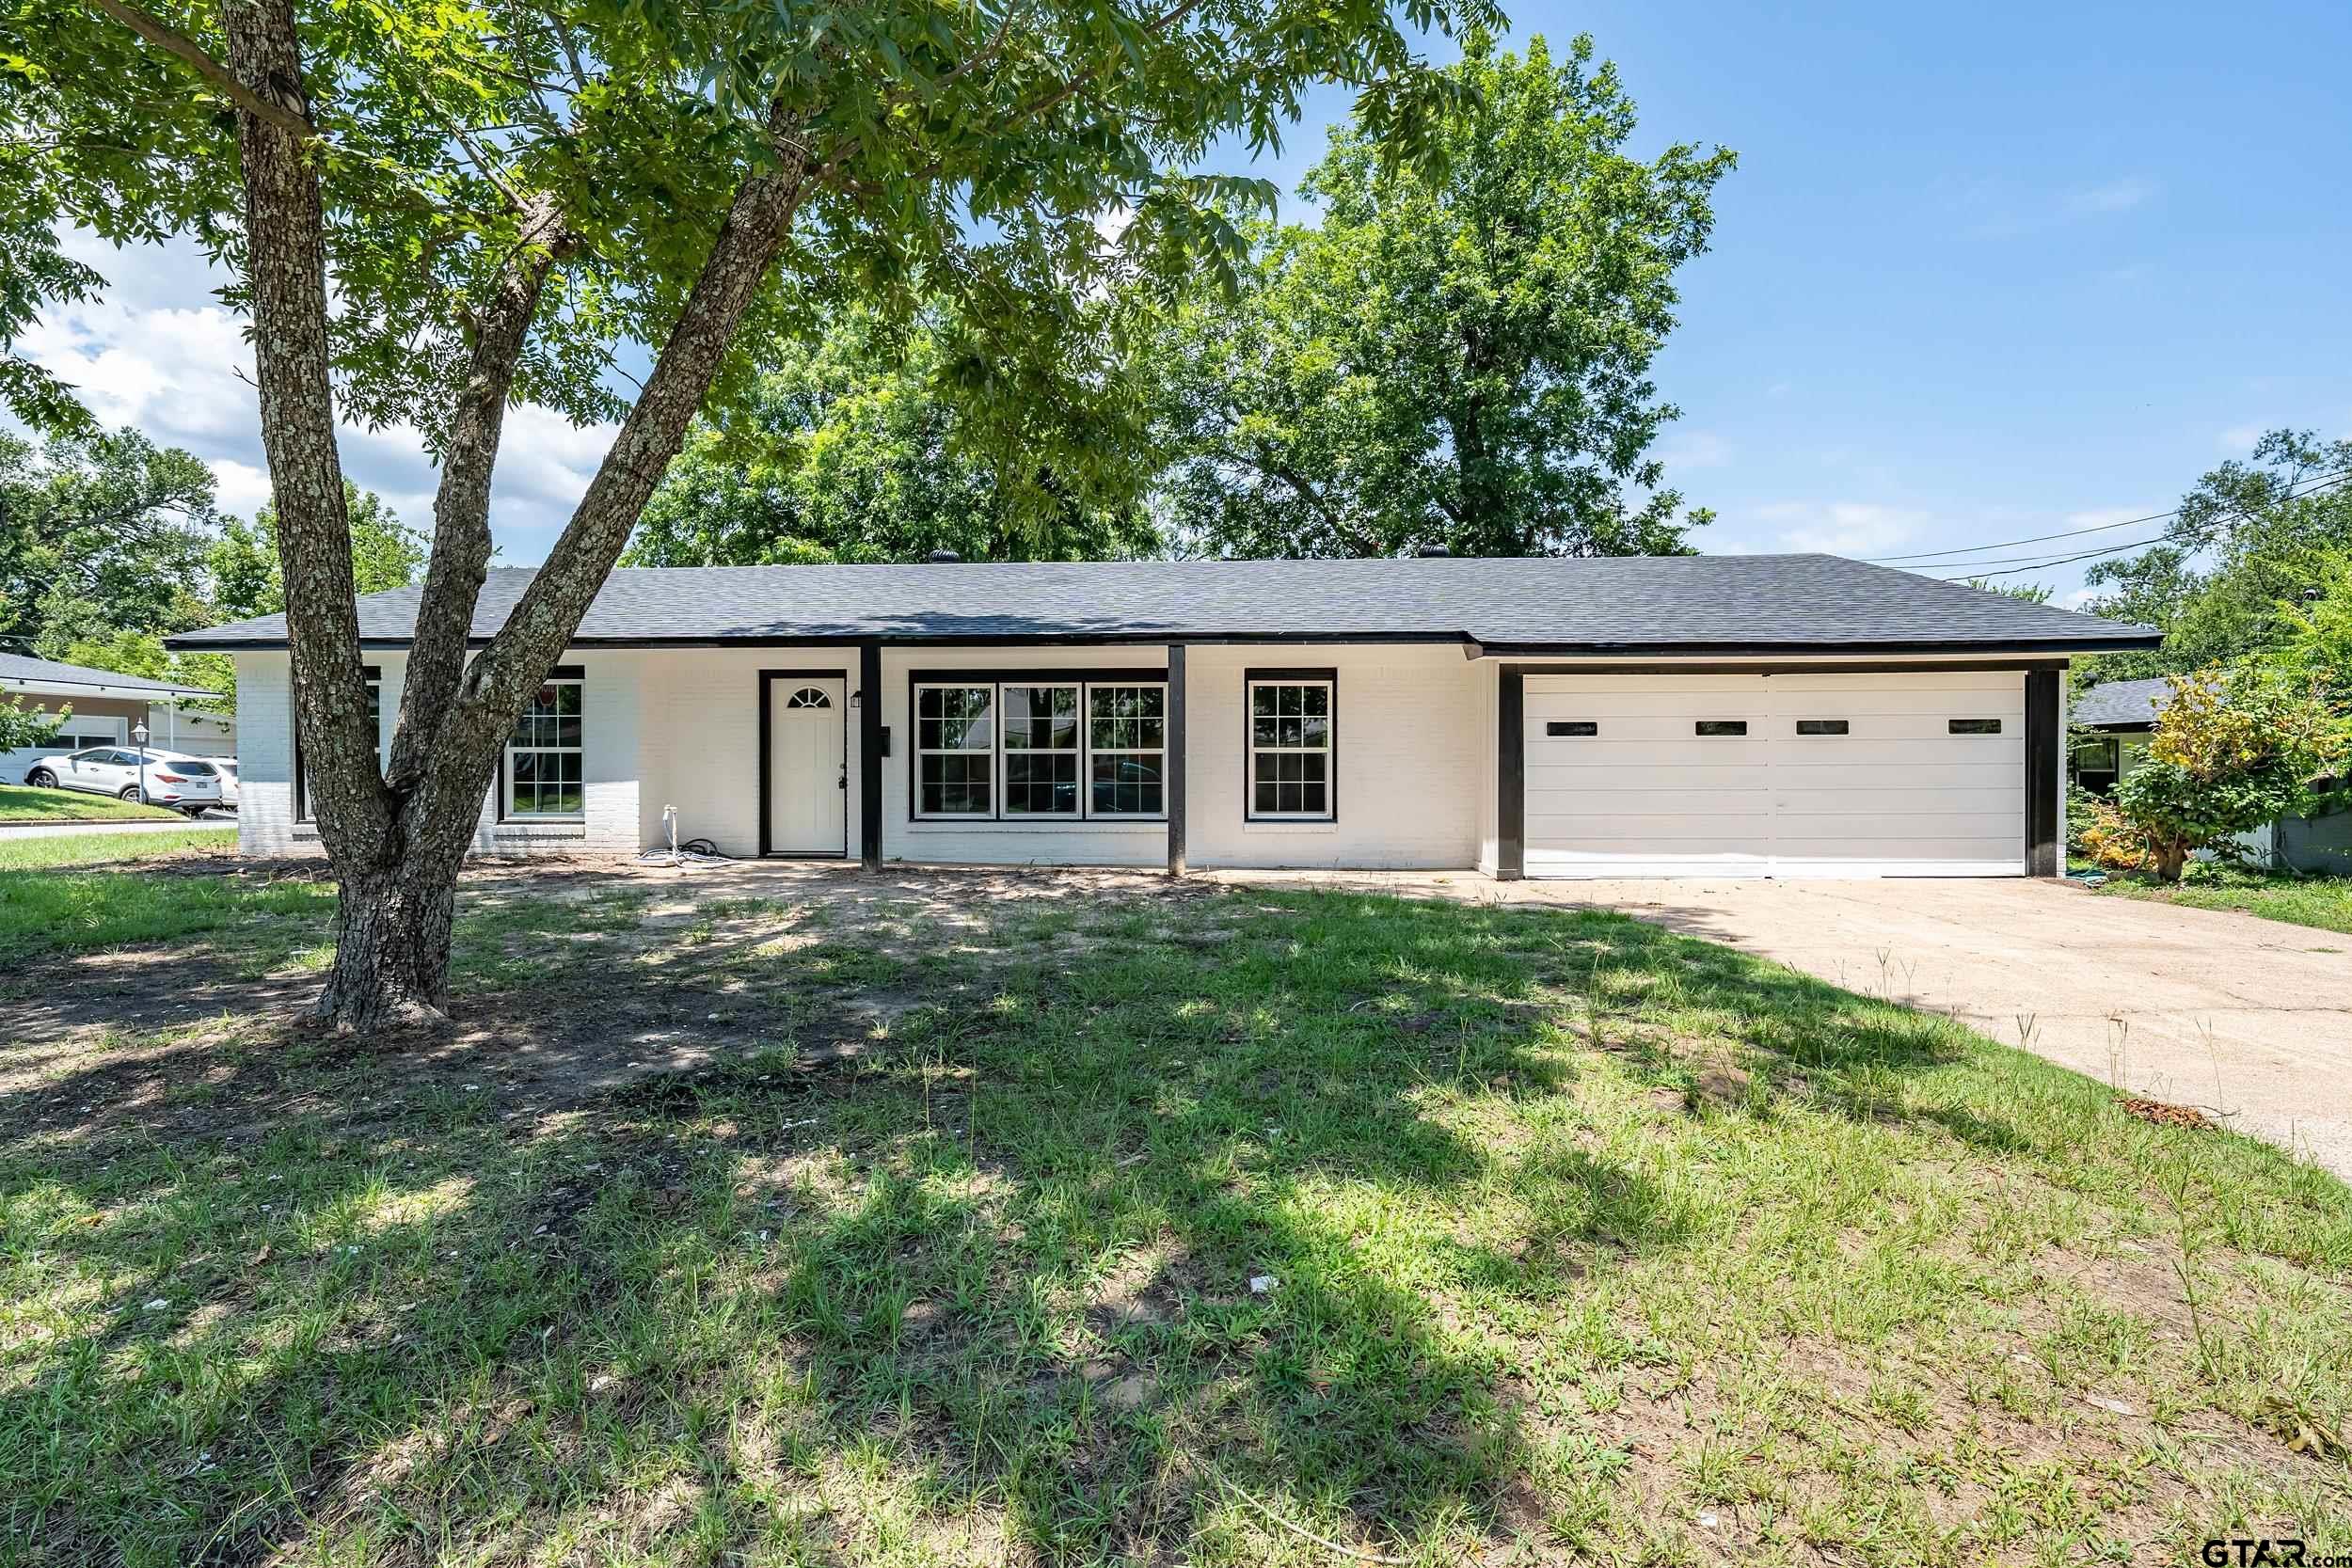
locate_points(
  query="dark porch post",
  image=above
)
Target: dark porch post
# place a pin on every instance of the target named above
(2043, 781)
(1174, 765)
(1510, 775)
(869, 752)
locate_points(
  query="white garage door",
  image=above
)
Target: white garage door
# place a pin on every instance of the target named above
(1786, 775)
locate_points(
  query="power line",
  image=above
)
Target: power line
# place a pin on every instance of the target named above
(2035, 560)
(2042, 567)
(2309, 486)
(2037, 539)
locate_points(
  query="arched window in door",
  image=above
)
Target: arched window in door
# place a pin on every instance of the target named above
(809, 696)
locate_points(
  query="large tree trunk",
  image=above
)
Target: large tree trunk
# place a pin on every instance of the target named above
(391, 946)
(396, 841)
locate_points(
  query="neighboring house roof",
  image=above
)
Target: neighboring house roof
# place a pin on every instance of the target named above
(21, 673)
(1637, 604)
(2122, 705)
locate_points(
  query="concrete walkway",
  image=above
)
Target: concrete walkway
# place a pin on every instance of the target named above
(2247, 1017)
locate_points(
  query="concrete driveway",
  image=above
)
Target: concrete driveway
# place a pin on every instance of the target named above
(2249, 1018)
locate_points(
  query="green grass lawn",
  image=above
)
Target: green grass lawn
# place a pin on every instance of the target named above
(19, 804)
(2324, 902)
(83, 891)
(935, 1225)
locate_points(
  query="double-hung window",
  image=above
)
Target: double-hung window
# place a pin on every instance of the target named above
(1127, 746)
(1291, 745)
(543, 755)
(955, 750)
(373, 676)
(1040, 748)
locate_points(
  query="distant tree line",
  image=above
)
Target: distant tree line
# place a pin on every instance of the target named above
(110, 542)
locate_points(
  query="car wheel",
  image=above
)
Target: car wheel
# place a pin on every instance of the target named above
(130, 794)
(40, 778)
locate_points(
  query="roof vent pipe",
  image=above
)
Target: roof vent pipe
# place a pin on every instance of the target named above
(944, 558)
(1432, 552)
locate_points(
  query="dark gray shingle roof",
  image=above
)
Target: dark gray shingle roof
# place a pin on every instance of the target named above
(2123, 705)
(23, 667)
(1708, 602)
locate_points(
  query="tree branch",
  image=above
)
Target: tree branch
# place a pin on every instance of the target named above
(154, 31)
(461, 503)
(495, 685)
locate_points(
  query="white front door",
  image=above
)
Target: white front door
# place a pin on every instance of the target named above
(808, 782)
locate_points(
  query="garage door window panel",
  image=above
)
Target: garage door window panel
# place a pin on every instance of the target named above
(1292, 744)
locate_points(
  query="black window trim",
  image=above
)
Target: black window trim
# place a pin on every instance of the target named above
(561, 673)
(373, 676)
(1328, 676)
(1084, 679)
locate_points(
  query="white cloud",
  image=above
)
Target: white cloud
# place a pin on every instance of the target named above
(1842, 528)
(2240, 437)
(2116, 196)
(156, 352)
(2078, 598)
(241, 486)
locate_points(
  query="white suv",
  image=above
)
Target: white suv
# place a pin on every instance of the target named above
(172, 778)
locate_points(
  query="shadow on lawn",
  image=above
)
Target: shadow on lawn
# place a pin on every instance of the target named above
(982, 1278)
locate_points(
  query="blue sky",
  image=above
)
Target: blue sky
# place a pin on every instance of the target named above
(1994, 272)
(1981, 274)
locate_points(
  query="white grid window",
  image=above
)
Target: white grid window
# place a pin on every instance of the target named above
(955, 750)
(543, 757)
(1127, 750)
(1042, 749)
(1289, 749)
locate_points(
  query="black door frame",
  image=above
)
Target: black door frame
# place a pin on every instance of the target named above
(767, 764)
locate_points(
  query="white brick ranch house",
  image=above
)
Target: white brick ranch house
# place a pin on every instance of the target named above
(1720, 715)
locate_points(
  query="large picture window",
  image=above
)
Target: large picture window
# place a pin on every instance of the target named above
(543, 755)
(373, 676)
(1041, 746)
(1291, 746)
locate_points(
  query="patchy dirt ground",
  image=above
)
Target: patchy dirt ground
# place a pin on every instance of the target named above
(665, 971)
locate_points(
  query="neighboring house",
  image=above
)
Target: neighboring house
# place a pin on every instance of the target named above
(1718, 715)
(106, 705)
(2112, 723)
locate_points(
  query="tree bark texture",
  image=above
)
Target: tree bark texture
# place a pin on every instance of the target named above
(461, 505)
(397, 836)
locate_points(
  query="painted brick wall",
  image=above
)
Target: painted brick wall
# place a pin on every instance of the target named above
(610, 765)
(681, 727)
(1409, 740)
(701, 738)
(993, 843)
